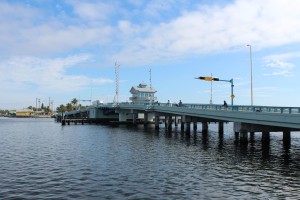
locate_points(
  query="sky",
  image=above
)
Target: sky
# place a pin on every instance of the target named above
(65, 49)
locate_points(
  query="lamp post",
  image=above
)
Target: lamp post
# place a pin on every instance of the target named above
(251, 73)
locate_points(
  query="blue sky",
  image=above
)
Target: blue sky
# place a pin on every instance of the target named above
(67, 49)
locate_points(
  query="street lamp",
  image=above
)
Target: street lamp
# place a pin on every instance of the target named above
(251, 73)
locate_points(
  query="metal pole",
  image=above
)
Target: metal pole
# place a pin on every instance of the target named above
(211, 91)
(231, 81)
(251, 73)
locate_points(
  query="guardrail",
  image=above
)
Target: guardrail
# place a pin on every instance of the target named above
(239, 108)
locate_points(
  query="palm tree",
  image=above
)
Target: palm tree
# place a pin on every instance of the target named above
(74, 102)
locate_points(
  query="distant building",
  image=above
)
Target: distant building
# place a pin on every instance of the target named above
(142, 94)
(24, 112)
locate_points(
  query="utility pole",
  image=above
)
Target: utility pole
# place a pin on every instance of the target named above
(117, 68)
(251, 74)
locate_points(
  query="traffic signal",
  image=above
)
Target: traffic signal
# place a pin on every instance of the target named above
(208, 78)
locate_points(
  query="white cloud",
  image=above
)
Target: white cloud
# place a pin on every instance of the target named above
(28, 31)
(217, 28)
(45, 75)
(282, 63)
(92, 11)
(280, 73)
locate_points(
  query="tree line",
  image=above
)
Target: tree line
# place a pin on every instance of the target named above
(73, 105)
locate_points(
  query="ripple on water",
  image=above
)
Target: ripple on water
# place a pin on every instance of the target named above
(40, 160)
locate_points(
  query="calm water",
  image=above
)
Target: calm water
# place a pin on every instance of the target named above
(40, 159)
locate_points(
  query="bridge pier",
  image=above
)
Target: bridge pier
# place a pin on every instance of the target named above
(156, 121)
(176, 121)
(204, 127)
(265, 136)
(244, 137)
(286, 136)
(221, 128)
(182, 122)
(170, 122)
(188, 124)
(195, 123)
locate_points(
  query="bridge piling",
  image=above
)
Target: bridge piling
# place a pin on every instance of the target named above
(221, 127)
(195, 124)
(182, 121)
(265, 137)
(156, 122)
(286, 135)
(204, 127)
(244, 137)
(176, 121)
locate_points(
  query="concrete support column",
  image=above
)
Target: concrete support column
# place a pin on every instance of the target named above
(169, 122)
(244, 136)
(286, 135)
(204, 127)
(166, 121)
(182, 121)
(156, 122)
(265, 137)
(236, 135)
(252, 137)
(134, 118)
(194, 123)
(145, 119)
(286, 139)
(176, 121)
(221, 127)
(188, 124)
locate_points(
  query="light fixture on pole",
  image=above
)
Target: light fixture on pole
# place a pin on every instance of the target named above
(251, 73)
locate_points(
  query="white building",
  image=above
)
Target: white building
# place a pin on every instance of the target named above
(142, 94)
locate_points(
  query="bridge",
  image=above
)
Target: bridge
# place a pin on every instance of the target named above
(246, 119)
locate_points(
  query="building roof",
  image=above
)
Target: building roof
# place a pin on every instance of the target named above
(24, 110)
(142, 87)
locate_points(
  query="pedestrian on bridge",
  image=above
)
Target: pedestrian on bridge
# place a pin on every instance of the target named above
(225, 104)
(180, 103)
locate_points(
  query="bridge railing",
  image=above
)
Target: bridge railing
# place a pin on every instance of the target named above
(239, 108)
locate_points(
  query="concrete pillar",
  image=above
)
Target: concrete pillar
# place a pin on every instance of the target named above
(188, 124)
(145, 119)
(221, 127)
(244, 137)
(286, 139)
(176, 121)
(134, 118)
(169, 122)
(265, 137)
(166, 121)
(156, 122)
(194, 123)
(204, 127)
(236, 136)
(252, 137)
(182, 121)
(188, 127)
(286, 135)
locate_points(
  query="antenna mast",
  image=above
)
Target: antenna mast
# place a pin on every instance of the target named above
(117, 67)
(150, 79)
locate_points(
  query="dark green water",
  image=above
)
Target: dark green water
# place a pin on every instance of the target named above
(40, 159)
